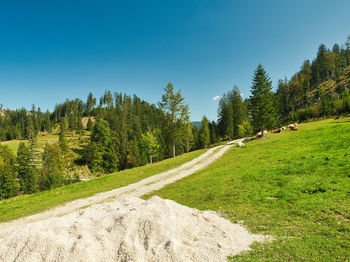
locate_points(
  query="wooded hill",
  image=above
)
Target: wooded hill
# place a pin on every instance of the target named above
(319, 89)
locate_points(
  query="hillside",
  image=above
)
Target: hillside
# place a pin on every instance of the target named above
(333, 87)
(293, 186)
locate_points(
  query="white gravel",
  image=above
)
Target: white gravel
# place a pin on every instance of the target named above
(129, 229)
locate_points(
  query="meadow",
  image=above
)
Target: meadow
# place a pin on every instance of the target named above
(293, 186)
(30, 204)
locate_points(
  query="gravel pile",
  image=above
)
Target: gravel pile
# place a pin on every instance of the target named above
(130, 229)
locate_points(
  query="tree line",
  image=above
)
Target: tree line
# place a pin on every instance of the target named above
(319, 89)
(122, 132)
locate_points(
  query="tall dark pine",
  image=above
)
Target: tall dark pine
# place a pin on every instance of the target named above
(262, 101)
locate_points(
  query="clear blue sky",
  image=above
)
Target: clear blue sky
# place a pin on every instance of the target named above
(52, 50)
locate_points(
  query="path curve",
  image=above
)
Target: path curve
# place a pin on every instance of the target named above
(137, 189)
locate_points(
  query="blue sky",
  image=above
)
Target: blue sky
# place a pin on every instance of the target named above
(53, 50)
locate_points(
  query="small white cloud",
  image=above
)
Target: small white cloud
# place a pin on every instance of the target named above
(216, 98)
(241, 95)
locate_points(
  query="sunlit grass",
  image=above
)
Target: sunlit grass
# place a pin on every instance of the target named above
(294, 186)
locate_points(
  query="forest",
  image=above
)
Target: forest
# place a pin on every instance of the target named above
(123, 131)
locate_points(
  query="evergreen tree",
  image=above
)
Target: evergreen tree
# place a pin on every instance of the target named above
(90, 124)
(62, 141)
(26, 172)
(262, 101)
(8, 185)
(101, 153)
(52, 174)
(204, 133)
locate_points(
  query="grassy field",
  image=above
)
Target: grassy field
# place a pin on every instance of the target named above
(42, 140)
(294, 186)
(29, 204)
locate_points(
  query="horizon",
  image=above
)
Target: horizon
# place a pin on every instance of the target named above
(53, 51)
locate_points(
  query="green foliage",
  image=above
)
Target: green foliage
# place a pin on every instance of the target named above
(232, 112)
(176, 110)
(245, 129)
(52, 174)
(27, 173)
(262, 101)
(204, 133)
(62, 141)
(90, 124)
(100, 154)
(150, 145)
(8, 184)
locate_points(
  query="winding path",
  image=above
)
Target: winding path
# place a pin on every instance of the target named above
(137, 189)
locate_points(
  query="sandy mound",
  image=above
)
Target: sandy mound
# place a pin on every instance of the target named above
(129, 230)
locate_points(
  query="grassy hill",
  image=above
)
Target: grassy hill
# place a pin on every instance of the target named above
(294, 186)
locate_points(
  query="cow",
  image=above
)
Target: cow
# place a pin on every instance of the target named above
(294, 128)
(276, 131)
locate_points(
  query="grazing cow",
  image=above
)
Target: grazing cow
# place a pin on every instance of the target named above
(276, 131)
(259, 134)
(283, 128)
(294, 128)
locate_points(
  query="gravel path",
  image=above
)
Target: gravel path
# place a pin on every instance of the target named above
(138, 189)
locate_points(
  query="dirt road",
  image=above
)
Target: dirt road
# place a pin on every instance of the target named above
(138, 189)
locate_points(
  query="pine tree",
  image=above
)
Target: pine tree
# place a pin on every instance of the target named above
(204, 133)
(8, 185)
(62, 141)
(26, 172)
(100, 154)
(262, 101)
(52, 174)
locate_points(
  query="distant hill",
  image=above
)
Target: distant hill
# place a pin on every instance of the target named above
(197, 123)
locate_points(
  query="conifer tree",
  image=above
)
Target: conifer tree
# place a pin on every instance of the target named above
(26, 172)
(204, 133)
(262, 101)
(8, 185)
(62, 141)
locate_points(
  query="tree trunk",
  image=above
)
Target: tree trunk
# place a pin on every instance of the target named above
(174, 150)
(262, 132)
(150, 159)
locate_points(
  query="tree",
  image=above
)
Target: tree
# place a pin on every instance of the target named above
(52, 174)
(176, 110)
(8, 185)
(62, 141)
(262, 101)
(150, 145)
(100, 154)
(213, 132)
(90, 124)
(26, 172)
(90, 104)
(204, 133)
(237, 110)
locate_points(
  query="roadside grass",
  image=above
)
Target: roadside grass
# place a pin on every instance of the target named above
(294, 186)
(30, 204)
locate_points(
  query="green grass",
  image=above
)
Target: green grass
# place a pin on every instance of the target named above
(30, 204)
(42, 140)
(294, 186)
